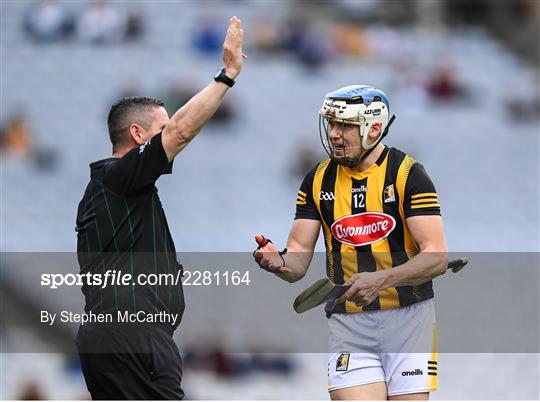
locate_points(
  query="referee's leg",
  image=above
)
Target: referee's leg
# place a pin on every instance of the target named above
(130, 363)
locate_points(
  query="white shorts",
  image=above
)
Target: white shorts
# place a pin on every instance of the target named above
(397, 346)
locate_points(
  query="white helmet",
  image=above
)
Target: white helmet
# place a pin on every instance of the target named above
(361, 105)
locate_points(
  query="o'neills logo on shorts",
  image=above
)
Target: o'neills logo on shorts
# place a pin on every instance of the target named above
(361, 229)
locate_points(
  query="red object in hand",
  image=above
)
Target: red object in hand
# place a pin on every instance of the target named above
(261, 240)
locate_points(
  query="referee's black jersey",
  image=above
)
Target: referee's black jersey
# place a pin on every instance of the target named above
(121, 226)
(364, 220)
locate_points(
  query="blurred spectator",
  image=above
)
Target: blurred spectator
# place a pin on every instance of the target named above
(15, 137)
(273, 363)
(350, 39)
(304, 158)
(293, 33)
(267, 36)
(45, 159)
(408, 86)
(443, 84)
(16, 141)
(130, 87)
(101, 23)
(134, 26)
(208, 36)
(315, 50)
(238, 365)
(468, 11)
(523, 108)
(385, 44)
(177, 95)
(47, 21)
(225, 113)
(215, 361)
(32, 392)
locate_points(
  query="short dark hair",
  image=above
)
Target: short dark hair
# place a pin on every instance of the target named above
(129, 110)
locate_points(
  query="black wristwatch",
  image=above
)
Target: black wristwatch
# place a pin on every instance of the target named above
(220, 76)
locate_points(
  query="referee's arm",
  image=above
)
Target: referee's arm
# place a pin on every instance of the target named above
(186, 123)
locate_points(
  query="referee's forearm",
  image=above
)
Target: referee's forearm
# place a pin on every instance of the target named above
(190, 118)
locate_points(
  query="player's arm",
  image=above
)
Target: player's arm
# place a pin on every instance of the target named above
(186, 123)
(303, 235)
(422, 212)
(431, 261)
(293, 265)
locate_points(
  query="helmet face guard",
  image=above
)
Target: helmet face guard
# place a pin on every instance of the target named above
(357, 105)
(324, 134)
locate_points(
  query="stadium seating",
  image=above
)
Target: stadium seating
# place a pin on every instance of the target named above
(235, 180)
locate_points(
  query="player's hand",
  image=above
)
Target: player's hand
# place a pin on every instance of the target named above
(268, 257)
(365, 287)
(232, 48)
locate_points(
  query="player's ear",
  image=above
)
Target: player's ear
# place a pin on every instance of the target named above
(375, 131)
(136, 133)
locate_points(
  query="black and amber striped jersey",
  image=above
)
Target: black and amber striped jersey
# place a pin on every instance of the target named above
(363, 218)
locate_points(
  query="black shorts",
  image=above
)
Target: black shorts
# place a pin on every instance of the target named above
(122, 361)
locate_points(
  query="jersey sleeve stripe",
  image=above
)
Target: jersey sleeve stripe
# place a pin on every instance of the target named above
(316, 189)
(424, 200)
(401, 180)
(421, 195)
(301, 193)
(425, 206)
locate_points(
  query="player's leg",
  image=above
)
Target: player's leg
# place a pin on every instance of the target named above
(359, 374)
(410, 359)
(408, 377)
(375, 392)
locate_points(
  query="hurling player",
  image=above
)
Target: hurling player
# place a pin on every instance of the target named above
(380, 217)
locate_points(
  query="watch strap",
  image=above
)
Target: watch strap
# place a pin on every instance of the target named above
(222, 77)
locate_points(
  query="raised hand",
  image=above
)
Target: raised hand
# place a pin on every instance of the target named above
(232, 48)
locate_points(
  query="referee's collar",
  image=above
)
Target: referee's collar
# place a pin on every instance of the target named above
(98, 164)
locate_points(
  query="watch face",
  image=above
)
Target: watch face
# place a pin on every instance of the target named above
(218, 73)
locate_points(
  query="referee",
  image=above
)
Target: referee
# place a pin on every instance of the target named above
(121, 227)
